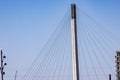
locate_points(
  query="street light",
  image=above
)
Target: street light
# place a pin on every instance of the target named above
(2, 64)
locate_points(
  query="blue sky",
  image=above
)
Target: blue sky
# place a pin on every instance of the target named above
(26, 25)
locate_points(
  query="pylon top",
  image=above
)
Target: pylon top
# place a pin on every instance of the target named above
(73, 11)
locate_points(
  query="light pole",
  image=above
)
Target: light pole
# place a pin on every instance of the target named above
(2, 64)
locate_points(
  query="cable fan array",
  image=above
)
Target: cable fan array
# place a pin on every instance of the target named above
(96, 51)
(54, 61)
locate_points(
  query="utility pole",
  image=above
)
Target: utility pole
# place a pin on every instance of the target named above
(75, 62)
(2, 64)
(109, 76)
(15, 76)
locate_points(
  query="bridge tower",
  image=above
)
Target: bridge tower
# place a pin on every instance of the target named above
(117, 65)
(75, 63)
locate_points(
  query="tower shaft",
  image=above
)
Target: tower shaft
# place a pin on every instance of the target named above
(75, 63)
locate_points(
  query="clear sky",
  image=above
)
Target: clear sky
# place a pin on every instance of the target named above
(26, 25)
